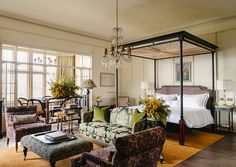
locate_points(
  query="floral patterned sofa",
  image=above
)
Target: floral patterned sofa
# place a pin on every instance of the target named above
(118, 125)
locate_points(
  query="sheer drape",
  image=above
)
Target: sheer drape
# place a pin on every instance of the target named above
(65, 65)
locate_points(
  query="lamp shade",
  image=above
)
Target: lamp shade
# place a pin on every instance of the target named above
(88, 84)
(144, 85)
(224, 84)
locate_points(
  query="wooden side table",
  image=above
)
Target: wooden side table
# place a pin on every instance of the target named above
(229, 109)
(60, 116)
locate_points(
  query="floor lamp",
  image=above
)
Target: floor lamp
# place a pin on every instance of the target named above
(88, 84)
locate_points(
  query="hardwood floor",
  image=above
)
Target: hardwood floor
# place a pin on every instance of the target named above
(219, 154)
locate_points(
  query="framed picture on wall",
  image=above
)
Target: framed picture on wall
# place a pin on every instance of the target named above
(107, 79)
(186, 72)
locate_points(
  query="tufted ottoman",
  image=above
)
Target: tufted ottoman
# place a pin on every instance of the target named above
(55, 152)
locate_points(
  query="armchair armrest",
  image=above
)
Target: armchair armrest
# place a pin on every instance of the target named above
(139, 126)
(87, 116)
(94, 159)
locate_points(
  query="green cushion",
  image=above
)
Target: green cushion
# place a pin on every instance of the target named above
(137, 116)
(100, 114)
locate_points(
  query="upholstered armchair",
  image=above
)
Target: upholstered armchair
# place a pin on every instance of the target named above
(21, 121)
(136, 150)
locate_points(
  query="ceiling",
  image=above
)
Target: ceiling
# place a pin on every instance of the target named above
(138, 18)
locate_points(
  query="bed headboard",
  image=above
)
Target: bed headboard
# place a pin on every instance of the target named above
(191, 90)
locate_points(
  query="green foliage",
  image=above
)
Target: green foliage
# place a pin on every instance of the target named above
(63, 87)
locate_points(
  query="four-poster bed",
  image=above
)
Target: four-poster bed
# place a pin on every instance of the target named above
(179, 44)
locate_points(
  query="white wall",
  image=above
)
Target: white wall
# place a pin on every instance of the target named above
(131, 76)
(25, 34)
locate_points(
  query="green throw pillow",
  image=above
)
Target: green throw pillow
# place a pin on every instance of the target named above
(100, 114)
(137, 116)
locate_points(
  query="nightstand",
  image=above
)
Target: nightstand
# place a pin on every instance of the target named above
(229, 109)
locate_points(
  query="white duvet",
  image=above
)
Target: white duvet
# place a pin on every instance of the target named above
(194, 117)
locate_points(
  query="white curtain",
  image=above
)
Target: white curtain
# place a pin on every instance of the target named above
(65, 65)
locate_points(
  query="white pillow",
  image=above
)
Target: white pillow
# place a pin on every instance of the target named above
(166, 97)
(195, 101)
(172, 103)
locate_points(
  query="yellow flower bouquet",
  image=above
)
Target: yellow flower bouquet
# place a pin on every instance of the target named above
(156, 109)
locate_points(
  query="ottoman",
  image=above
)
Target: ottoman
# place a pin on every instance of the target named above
(55, 152)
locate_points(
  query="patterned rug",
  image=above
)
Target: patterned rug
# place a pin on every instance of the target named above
(173, 152)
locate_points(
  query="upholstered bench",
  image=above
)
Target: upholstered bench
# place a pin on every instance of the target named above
(55, 152)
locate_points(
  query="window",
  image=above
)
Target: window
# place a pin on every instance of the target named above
(83, 68)
(27, 72)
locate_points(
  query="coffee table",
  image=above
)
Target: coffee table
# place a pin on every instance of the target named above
(55, 152)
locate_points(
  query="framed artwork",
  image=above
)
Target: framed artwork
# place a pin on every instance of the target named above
(186, 71)
(107, 79)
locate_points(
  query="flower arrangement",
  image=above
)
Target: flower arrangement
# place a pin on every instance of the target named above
(156, 109)
(63, 87)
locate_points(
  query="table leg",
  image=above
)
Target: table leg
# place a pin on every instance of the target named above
(232, 120)
(229, 122)
(25, 152)
(219, 119)
(68, 117)
(57, 122)
(216, 126)
(61, 122)
(52, 163)
(72, 124)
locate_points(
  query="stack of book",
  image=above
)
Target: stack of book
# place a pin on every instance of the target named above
(56, 136)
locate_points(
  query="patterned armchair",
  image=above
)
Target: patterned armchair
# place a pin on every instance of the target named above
(21, 121)
(136, 150)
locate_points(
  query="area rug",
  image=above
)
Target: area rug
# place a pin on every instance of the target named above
(173, 153)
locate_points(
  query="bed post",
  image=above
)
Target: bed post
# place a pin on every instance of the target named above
(117, 89)
(155, 74)
(181, 121)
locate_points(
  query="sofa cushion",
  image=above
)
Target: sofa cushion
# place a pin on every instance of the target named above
(114, 131)
(121, 116)
(24, 119)
(101, 114)
(94, 128)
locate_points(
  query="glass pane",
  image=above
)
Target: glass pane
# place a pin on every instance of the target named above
(78, 76)
(22, 56)
(7, 55)
(38, 58)
(22, 67)
(87, 61)
(22, 86)
(51, 75)
(37, 86)
(78, 61)
(51, 59)
(85, 74)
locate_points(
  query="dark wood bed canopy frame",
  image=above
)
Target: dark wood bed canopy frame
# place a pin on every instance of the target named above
(182, 37)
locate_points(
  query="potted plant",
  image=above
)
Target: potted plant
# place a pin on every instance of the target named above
(63, 87)
(156, 110)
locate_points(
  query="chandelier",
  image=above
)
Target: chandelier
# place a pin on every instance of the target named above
(117, 54)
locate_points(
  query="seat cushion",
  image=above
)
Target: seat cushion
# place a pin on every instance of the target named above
(94, 128)
(26, 129)
(121, 116)
(115, 131)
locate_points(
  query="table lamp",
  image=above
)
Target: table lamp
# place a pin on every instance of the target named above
(145, 87)
(224, 85)
(88, 84)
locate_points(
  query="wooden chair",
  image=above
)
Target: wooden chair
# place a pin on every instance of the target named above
(123, 101)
